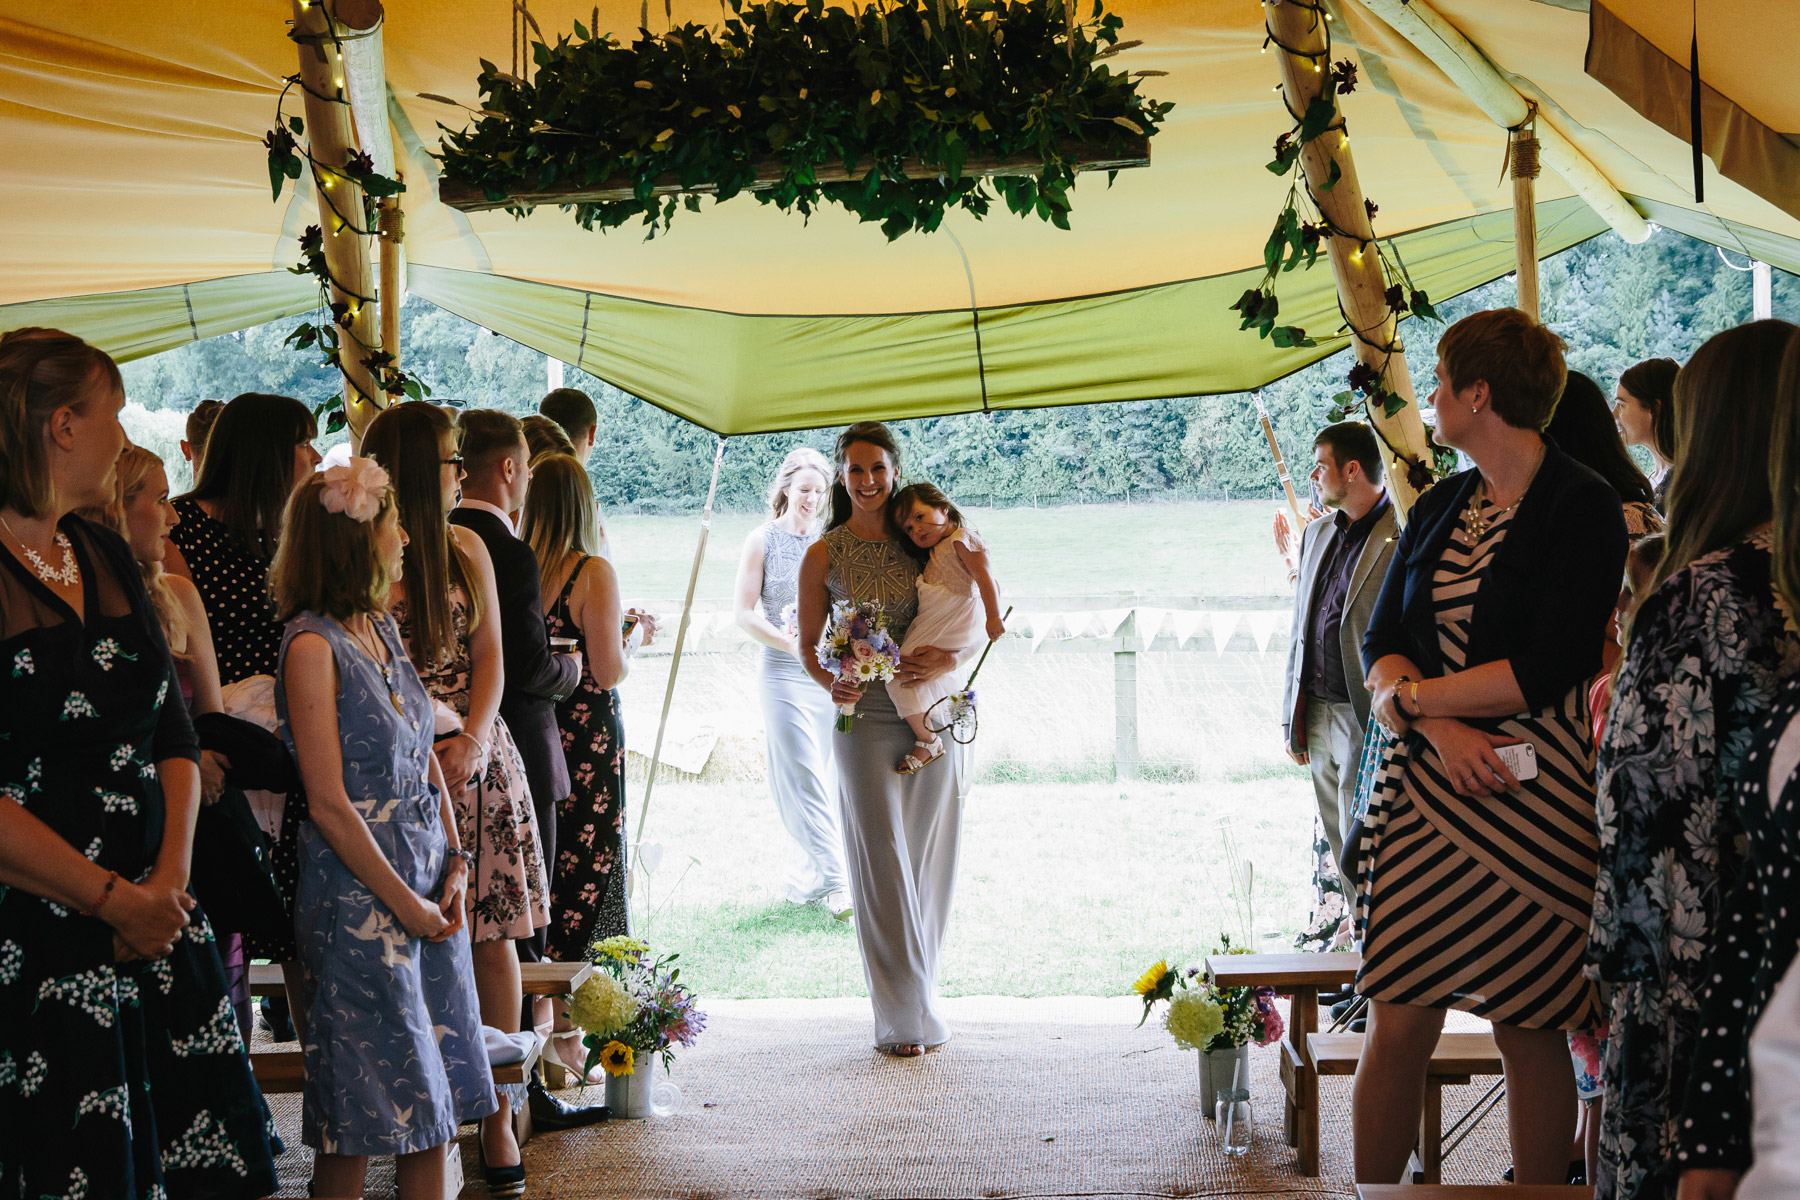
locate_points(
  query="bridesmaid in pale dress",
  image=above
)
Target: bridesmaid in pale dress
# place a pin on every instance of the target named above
(796, 715)
(900, 831)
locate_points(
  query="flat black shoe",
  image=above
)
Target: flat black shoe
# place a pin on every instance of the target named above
(1341, 1007)
(1360, 1025)
(1330, 999)
(550, 1114)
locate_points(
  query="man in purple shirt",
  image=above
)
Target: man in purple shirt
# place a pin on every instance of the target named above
(1343, 559)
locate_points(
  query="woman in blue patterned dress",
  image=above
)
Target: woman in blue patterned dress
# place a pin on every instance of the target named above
(392, 1038)
(1708, 652)
(122, 1074)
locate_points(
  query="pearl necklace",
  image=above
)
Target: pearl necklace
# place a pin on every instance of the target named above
(1476, 523)
(69, 576)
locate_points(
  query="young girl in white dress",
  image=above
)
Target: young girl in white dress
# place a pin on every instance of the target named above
(958, 602)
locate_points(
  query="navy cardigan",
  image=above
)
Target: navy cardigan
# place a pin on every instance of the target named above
(1550, 586)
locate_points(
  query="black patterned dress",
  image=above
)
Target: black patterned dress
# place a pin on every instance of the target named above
(1483, 904)
(234, 589)
(589, 900)
(1708, 653)
(117, 1080)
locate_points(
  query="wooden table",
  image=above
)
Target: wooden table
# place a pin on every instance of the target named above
(1301, 978)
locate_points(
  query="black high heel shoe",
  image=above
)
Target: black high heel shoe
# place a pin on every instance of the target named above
(503, 1183)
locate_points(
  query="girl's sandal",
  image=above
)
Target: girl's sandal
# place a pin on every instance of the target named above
(903, 1050)
(912, 764)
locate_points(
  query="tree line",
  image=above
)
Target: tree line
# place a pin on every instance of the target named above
(1614, 303)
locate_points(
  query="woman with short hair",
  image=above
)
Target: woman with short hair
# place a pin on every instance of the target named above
(1706, 655)
(1478, 875)
(797, 716)
(125, 1074)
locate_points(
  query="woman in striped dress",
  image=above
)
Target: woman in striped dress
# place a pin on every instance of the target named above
(1478, 880)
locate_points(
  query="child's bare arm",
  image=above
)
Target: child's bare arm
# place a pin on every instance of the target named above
(976, 562)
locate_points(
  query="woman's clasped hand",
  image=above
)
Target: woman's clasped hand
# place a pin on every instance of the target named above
(146, 918)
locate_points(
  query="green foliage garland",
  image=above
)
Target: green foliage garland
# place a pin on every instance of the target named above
(806, 86)
(287, 157)
(1295, 240)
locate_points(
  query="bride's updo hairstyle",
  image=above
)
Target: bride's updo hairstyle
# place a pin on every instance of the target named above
(872, 433)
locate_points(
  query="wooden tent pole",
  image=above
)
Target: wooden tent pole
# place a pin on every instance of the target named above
(1523, 161)
(393, 295)
(331, 136)
(1361, 283)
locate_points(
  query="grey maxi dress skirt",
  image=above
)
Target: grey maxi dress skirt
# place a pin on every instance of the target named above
(797, 717)
(901, 832)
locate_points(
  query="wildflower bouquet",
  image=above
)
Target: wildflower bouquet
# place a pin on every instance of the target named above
(1204, 1017)
(858, 648)
(633, 1005)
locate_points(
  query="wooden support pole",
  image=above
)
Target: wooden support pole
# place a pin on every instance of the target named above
(1523, 160)
(1361, 283)
(393, 295)
(331, 136)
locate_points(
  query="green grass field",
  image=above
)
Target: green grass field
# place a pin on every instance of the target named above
(1200, 548)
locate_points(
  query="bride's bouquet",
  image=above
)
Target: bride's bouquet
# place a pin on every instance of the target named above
(859, 648)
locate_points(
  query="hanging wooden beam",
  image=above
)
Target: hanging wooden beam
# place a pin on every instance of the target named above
(331, 136)
(465, 197)
(1478, 79)
(1523, 163)
(1361, 283)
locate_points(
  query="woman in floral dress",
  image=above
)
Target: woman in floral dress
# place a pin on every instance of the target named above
(445, 606)
(1707, 653)
(122, 1073)
(581, 600)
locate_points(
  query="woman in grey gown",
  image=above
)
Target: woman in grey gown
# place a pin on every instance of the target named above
(797, 716)
(900, 831)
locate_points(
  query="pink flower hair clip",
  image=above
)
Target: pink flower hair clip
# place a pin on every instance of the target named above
(354, 489)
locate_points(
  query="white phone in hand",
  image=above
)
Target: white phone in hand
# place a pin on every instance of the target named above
(1521, 760)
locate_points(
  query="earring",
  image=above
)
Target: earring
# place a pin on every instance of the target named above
(1473, 409)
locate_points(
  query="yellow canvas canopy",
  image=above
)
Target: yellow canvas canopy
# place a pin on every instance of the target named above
(136, 207)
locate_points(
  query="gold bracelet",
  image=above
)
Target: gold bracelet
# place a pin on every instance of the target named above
(1418, 709)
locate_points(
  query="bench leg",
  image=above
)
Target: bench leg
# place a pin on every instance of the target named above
(1431, 1135)
(453, 1170)
(522, 1125)
(1303, 1018)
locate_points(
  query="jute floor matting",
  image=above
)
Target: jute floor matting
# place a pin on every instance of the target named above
(1032, 1098)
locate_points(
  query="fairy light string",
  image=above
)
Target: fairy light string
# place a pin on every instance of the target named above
(1300, 231)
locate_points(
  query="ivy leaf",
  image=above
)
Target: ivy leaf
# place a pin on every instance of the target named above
(336, 421)
(1331, 179)
(1319, 115)
(298, 126)
(1290, 337)
(1391, 403)
(1421, 306)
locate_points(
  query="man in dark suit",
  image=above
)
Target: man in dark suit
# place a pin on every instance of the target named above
(1343, 559)
(495, 457)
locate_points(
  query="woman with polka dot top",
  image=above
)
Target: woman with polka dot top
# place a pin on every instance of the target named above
(259, 450)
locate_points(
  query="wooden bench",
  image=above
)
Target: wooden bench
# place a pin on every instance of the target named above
(1458, 1058)
(1474, 1191)
(535, 978)
(279, 1071)
(1300, 977)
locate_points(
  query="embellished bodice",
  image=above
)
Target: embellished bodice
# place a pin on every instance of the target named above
(883, 571)
(782, 552)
